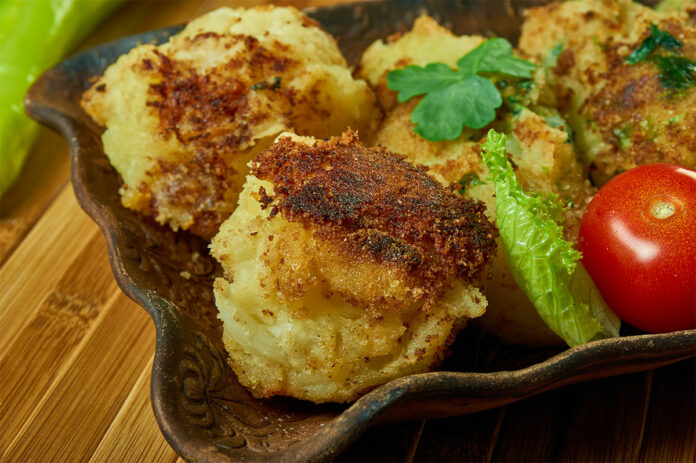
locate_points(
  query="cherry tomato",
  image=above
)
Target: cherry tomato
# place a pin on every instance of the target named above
(638, 240)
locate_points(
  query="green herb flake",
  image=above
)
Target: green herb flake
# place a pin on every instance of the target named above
(459, 98)
(677, 72)
(656, 38)
(266, 85)
(469, 180)
(675, 119)
(623, 137)
(553, 55)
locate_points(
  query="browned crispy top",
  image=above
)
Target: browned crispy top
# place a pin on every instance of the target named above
(213, 115)
(639, 119)
(372, 203)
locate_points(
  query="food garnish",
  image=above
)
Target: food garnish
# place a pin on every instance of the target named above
(677, 72)
(546, 266)
(458, 98)
(656, 38)
(638, 240)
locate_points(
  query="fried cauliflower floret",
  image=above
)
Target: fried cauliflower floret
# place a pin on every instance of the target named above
(543, 155)
(622, 114)
(346, 267)
(183, 119)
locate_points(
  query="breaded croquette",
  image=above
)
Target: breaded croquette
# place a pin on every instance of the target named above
(346, 267)
(543, 155)
(183, 119)
(623, 114)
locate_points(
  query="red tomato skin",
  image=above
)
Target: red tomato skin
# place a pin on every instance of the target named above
(645, 266)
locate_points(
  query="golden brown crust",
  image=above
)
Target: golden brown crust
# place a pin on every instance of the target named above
(634, 102)
(371, 203)
(623, 114)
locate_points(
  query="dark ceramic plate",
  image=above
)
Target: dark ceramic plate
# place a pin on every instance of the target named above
(202, 410)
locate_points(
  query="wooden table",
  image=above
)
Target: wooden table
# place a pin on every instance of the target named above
(75, 353)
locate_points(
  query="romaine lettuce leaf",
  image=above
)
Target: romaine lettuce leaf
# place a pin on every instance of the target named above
(544, 265)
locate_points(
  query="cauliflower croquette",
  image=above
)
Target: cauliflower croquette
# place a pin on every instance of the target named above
(183, 119)
(542, 153)
(622, 114)
(345, 267)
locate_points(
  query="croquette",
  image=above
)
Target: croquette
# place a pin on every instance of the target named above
(540, 148)
(183, 119)
(345, 267)
(623, 114)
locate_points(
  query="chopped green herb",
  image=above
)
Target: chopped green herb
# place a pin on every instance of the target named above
(623, 137)
(469, 180)
(552, 57)
(525, 85)
(264, 85)
(457, 98)
(677, 72)
(655, 39)
(599, 46)
(675, 119)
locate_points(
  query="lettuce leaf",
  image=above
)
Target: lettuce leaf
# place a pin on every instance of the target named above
(544, 265)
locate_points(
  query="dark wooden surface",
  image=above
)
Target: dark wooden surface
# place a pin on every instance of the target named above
(75, 353)
(647, 416)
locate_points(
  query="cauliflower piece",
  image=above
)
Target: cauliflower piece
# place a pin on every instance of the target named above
(346, 267)
(183, 119)
(621, 114)
(542, 153)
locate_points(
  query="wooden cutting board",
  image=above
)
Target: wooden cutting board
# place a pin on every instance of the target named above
(76, 354)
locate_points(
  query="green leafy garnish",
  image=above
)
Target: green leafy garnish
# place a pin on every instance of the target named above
(545, 266)
(457, 98)
(623, 137)
(469, 180)
(552, 58)
(656, 38)
(677, 72)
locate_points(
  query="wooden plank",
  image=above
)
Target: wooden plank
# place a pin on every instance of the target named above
(670, 431)
(134, 434)
(529, 430)
(463, 438)
(54, 332)
(393, 442)
(603, 420)
(40, 262)
(42, 178)
(70, 420)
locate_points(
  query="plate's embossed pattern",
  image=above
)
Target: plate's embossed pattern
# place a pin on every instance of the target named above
(203, 411)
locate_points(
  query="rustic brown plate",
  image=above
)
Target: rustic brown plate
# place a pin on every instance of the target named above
(202, 410)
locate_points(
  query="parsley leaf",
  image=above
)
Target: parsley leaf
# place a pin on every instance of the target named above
(461, 97)
(495, 56)
(677, 72)
(655, 39)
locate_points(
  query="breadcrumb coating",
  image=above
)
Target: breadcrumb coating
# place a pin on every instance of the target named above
(183, 119)
(346, 267)
(621, 113)
(543, 156)
(371, 201)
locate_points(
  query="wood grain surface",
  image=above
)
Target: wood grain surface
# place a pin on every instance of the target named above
(75, 353)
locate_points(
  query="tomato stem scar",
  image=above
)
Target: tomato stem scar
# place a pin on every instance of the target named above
(662, 209)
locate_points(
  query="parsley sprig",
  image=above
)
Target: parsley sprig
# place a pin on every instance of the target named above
(455, 98)
(656, 38)
(676, 72)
